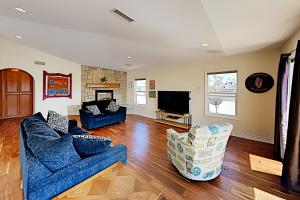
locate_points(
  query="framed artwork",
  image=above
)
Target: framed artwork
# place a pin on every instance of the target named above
(259, 82)
(57, 85)
(152, 94)
(152, 84)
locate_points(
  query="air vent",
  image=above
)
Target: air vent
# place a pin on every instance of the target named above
(39, 63)
(120, 14)
(214, 51)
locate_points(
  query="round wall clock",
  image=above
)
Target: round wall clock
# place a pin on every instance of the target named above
(259, 82)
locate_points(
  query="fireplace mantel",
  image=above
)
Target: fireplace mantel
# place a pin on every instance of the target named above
(103, 85)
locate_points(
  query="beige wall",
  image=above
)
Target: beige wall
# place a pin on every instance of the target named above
(291, 43)
(15, 55)
(255, 111)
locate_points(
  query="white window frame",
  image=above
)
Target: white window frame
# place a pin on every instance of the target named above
(209, 114)
(135, 91)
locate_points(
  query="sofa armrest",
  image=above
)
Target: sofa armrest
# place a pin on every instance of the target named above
(72, 123)
(86, 118)
(85, 112)
(122, 110)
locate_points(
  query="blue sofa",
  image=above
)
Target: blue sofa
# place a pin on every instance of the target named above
(90, 121)
(39, 183)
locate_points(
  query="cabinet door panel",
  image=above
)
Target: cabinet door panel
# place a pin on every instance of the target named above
(11, 105)
(16, 96)
(25, 104)
(11, 79)
(25, 82)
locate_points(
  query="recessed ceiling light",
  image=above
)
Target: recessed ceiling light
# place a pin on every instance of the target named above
(204, 44)
(129, 57)
(19, 37)
(20, 10)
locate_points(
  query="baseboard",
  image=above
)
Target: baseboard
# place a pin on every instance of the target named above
(236, 134)
(253, 137)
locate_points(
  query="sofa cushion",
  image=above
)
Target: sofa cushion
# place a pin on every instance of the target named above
(39, 116)
(54, 153)
(33, 125)
(94, 109)
(88, 145)
(102, 105)
(77, 131)
(37, 170)
(113, 106)
(58, 122)
(102, 117)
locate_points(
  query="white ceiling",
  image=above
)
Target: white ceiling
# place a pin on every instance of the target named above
(164, 31)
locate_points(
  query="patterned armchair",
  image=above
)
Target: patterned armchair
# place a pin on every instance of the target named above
(198, 154)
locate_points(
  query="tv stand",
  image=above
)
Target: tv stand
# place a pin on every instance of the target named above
(166, 118)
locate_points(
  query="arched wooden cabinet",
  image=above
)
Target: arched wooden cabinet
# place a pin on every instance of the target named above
(16, 93)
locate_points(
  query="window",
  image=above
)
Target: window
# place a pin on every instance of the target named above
(140, 88)
(221, 94)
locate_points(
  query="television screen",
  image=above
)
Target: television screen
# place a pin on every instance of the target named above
(174, 101)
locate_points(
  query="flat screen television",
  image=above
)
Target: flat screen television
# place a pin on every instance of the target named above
(174, 101)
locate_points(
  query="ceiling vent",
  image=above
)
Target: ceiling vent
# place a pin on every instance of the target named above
(123, 16)
(214, 51)
(39, 63)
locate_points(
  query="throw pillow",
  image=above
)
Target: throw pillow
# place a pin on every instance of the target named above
(88, 145)
(113, 106)
(54, 153)
(94, 109)
(58, 122)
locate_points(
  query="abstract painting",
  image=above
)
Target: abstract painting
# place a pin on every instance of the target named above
(57, 85)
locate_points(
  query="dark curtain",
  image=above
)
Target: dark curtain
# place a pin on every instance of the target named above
(291, 165)
(281, 107)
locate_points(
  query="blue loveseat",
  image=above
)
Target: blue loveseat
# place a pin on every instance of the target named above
(39, 183)
(90, 121)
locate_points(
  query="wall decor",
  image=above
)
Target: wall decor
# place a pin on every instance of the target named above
(259, 82)
(152, 94)
(152, 84)
(57, 85)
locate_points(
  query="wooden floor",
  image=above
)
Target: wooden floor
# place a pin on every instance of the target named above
(116, 182)
(146, 142)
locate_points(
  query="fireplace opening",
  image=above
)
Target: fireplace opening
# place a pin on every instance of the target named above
(104, 95)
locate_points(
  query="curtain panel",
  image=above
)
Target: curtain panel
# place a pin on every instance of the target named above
(291, 164)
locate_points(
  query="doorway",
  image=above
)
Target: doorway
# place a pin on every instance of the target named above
(16, 93)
